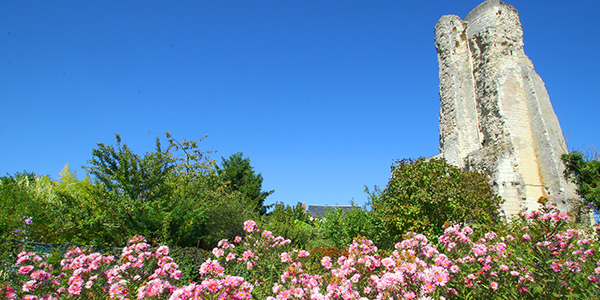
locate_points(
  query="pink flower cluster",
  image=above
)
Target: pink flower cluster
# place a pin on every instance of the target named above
(138, 272)
(545, 255)
(225, 287)
(481, 268)
(295, 281)
(38, 278)
(84, 271)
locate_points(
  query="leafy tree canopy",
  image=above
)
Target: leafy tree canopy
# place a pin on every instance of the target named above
(423, 195)
(132, 175)
(151, 194)
(238, 174)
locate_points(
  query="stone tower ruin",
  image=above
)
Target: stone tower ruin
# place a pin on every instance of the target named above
(495, 113)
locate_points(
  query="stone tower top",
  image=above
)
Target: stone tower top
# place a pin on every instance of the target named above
(494, 14)
(495, 113)
(490, 6)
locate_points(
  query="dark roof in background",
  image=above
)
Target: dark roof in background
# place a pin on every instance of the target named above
(321, 210)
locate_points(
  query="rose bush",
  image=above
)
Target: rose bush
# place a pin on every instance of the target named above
(546, 259)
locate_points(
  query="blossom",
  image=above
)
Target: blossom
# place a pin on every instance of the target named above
(250, 226)
(29, 286)
(563, 216)
(162, 250)
(454, 269)
(326, 262)
(247, 254)
(303, 253)
(467, 230)
(230, 256)
(389, 263)
(491, 235)
(479, 249)
(89, 284)
(416, 269)
(74, 289)
(556, 266)
(218, 252)
(25, 269)
(211, 285)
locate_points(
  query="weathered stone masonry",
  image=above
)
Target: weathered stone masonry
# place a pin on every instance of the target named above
(495, 113)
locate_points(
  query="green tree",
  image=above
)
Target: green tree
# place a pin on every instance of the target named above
(239, 175)
(342, 227)
(149, 194)
(423, 195)
(84, 222)
(131, 175)
(206, 211)
(585, 173)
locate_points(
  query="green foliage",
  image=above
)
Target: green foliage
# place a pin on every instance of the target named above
(206, 209)
(342, 227)
(239, 176)
(130, 175)
(32, 198)
(67, 210)
(166, 195)
(191, 161)
(293, 223)
(548, 249)
(585, 172)
(171, 195)
(224, 215)
(84, 220)
(423, 194)
(189, 260)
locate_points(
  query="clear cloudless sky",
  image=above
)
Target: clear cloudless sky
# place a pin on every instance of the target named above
(322, 96)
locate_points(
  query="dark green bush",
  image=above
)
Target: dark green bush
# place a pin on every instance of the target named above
(423, 195)
(585, 173)
(30, 205)
(341, 227)
(293, 223)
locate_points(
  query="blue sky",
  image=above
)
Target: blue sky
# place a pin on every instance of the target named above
(322, 96)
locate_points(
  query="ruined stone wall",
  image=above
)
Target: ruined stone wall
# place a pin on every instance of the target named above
(459, 108)
(495, 113)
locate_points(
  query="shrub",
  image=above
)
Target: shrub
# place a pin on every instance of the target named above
(585, 173)
(293, 223)
(29, 204)
(547, 260)
(423, 194)
(342, 227)
(170, 195)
